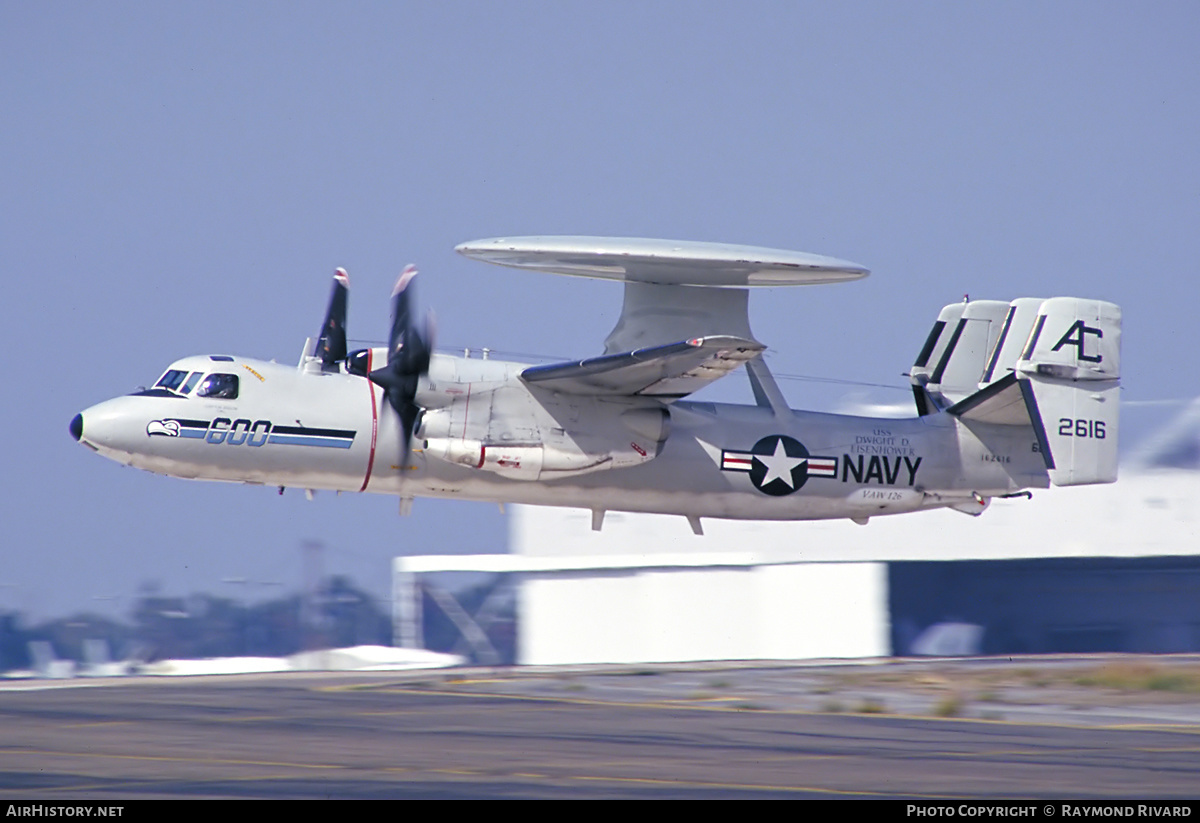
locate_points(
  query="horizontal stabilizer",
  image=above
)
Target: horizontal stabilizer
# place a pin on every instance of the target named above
(670, 371)
(1002, 403)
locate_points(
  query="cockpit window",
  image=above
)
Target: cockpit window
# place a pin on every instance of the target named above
(171, 379)
(191, 382)
(223, 386)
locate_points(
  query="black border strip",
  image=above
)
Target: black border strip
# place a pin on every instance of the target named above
(1033, 338)
(340, 434)
(1035, 416)
(157, 392)
(941, 366)
(987, 375)
(930, 342)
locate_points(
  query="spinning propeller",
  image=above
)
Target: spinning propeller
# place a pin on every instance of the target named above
(409, 350)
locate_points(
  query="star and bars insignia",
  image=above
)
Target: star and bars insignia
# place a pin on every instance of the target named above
(778, 464)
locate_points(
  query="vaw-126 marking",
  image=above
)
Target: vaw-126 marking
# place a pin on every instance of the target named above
(1009, 396)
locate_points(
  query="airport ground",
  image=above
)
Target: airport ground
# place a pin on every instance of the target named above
(1088, 728)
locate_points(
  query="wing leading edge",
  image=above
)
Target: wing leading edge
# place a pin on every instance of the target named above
(667, 372)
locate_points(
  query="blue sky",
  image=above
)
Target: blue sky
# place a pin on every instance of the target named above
(183, 178)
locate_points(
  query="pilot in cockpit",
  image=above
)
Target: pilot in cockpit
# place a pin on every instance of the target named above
(219, 386)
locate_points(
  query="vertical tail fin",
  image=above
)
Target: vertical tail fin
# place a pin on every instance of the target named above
(1069, 373)
(931, 354)
(956, 353)
(1018, 323)
(957, 375)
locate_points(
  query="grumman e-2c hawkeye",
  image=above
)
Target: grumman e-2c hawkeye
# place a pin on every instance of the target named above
(1009, 397)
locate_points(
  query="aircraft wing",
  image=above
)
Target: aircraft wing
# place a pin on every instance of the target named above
(668, 371)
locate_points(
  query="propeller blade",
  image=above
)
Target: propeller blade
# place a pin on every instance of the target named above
(402, 314)
(331, 344)
(409, 352)
(409, 412)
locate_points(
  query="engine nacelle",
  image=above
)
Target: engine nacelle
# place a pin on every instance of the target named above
(620, 440)
(534, 461)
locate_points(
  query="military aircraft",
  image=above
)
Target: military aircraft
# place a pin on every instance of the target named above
(1009, 396)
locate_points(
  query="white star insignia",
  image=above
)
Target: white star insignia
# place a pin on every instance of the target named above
(779, 465)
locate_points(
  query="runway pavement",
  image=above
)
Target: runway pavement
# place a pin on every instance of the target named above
(754, 731)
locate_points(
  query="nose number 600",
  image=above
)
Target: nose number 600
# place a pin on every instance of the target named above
(238, 432)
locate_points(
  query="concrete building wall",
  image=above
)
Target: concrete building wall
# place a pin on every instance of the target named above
(819, 610)
(783, 612)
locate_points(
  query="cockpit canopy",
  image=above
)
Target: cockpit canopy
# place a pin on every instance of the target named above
(182, 382)
(174, 380)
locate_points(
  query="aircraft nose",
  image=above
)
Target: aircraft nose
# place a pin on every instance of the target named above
(77, 426)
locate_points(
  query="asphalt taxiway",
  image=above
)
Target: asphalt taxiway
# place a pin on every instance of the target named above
(753, 731)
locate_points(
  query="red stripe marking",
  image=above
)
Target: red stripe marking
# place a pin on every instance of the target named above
(466, 412)
(374, 426)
